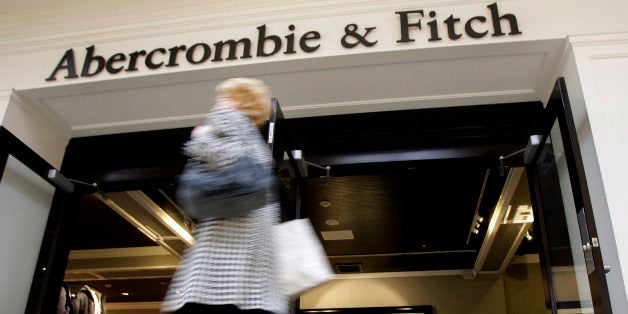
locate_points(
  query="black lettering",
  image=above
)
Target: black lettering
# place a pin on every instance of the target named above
(233, 45)
(261, 42)
(113, 59)
(149, 59)
(66, 62)
(433, 28)
(405, 25)
(207, 51)
(89, 58)
(497, 27)
(451, 27)
(468, 27)
(312, 35)
(174, 51)
(290, 41)
(133, 60)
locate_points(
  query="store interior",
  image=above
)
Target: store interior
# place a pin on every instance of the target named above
(404, 195)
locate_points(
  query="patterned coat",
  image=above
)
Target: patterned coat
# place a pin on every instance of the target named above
(233, 260)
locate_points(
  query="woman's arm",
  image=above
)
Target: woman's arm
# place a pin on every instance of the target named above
(222, 140)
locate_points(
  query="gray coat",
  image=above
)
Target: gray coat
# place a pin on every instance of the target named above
(233, 260)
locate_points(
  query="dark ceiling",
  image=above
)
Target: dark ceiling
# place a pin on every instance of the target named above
(406, 183)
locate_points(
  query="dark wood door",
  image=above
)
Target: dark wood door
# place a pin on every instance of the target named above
(572, 258)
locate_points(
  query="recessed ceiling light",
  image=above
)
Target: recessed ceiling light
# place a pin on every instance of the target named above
(325, 203)
(125, 293)
(332, 222)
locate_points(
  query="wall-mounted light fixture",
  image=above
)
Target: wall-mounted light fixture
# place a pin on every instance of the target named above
(476, 224)
(529, 236)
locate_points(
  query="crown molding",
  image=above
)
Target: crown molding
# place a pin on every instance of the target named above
(406, 103)
(138, 125)
(617, 38)
(61, 28)
(388, 104)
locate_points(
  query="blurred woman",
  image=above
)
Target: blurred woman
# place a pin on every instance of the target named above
(232, 266)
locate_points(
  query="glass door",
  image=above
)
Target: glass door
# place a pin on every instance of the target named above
(28, 187)
(571, 255)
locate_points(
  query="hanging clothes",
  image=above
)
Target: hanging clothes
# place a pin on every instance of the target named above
(65, 306)
(89, 301)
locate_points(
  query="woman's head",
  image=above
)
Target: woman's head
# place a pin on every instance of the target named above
(251, 96)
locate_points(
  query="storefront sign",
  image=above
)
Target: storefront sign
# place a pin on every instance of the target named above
(266, 44)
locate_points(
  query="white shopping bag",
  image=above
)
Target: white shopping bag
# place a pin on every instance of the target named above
(302, 261)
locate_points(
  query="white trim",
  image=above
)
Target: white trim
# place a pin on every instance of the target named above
(133, 305)
(138, 125)
(599, 39)
(434, 273)
(118, 252)
(545, 91)
(434, 101)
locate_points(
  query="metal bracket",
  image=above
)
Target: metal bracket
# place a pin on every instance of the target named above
(61, 181)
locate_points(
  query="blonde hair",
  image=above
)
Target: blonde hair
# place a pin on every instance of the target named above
(252, 96)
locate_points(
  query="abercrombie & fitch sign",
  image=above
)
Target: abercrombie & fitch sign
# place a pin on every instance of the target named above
(267, 44)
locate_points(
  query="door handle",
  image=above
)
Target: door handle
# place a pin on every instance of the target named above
(586, 247)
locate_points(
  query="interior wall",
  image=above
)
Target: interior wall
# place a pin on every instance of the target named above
(447, 294)
(523, 286)
(518, 290)
(594, 71)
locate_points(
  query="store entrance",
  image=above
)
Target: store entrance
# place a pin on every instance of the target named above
(408, 193)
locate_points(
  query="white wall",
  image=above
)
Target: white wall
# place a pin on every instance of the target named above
(24, 209)
(595, 73)
(523, 286)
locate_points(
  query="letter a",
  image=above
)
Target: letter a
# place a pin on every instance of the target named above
(66, 62)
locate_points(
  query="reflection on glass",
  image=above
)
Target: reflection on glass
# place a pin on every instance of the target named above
(569, 267)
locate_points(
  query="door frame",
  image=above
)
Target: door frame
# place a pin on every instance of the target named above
(559, 109)
(53, 253)
(55, 248)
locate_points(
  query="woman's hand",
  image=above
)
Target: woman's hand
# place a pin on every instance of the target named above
(200, 130)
